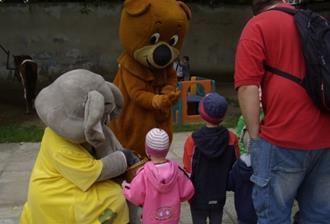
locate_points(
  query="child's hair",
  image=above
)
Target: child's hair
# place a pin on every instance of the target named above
(212, 108)
(157, 143)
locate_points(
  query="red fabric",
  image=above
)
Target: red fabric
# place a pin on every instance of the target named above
(189, 149)
(291, 119)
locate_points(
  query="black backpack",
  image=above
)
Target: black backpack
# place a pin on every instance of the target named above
(315, 38)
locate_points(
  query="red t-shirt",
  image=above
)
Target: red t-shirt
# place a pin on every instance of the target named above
(291, 119)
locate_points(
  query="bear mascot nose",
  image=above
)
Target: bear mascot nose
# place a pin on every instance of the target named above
(162, 55)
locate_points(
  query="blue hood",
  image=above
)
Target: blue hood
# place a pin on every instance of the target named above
(211, 142)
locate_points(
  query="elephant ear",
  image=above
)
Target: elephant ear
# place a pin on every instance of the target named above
(118, 99)
(136, 7)
(94, 111)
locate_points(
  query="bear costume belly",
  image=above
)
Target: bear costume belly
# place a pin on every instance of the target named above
(138, 87)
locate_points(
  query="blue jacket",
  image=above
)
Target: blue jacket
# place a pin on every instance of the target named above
(239, 182)
(212, 160)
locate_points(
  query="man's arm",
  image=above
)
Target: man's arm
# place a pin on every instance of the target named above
(248, 97)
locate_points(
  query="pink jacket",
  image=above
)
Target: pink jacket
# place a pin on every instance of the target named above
(160, 189)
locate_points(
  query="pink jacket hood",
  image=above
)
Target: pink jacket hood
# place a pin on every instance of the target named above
(160, 188)
(165, 180)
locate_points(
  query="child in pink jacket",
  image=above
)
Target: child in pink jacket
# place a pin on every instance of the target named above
(161, 185)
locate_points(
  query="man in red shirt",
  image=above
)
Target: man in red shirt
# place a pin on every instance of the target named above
(290, 148)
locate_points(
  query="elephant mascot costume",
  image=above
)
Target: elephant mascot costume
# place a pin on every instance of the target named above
(72, 179)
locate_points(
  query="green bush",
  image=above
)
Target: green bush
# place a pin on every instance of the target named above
(17, 133)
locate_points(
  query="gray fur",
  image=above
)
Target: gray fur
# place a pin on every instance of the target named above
(76, 106)
(111, 170)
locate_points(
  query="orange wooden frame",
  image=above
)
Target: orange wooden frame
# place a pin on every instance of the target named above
(208, 87)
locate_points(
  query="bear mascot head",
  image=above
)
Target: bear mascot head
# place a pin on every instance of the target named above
(79, 154)
(151, 33)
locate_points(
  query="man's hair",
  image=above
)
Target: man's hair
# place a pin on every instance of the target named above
(259, 5)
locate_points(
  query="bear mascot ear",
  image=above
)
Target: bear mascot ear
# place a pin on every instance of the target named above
(94, 111)
(186, 9)
(136, 7)
(118, 100)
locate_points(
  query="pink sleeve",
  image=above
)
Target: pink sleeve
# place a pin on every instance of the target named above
(186, 187)
(135, 192)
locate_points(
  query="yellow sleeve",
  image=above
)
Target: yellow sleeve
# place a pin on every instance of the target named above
(77, 165)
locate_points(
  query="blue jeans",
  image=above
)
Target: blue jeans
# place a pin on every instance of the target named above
(281, 175)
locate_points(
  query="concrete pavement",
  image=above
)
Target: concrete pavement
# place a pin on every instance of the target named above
(16, 162)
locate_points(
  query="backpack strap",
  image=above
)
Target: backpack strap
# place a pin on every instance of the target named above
(284, 9)
(275, 70)
(283, 74)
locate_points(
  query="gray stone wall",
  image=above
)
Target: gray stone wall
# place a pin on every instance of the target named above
(64, 36)
(212, 39)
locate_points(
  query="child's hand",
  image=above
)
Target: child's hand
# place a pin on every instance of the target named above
(124, 184)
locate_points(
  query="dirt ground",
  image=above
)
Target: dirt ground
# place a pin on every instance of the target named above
(12, 105)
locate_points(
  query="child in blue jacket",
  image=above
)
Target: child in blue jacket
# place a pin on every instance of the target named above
(239, 182)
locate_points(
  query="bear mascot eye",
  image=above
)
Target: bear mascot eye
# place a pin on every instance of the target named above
(154, 38)
(174, 40)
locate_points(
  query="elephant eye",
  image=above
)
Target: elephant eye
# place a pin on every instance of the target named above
(154, 38)
(174, 40)
(108, 107)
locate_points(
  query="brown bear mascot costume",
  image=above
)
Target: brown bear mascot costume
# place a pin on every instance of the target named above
(152, 33)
